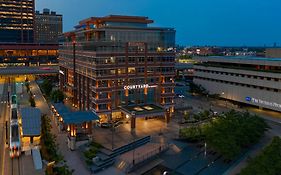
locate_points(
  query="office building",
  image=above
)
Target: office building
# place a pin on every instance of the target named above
(119, 66)
(16, 21)
(28, 54)
(249, 80)
(47, 26)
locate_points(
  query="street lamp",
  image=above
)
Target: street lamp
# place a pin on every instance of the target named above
(224, 99)
(205, 146)
(134, 150)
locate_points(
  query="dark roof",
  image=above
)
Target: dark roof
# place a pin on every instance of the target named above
(74, 117)
(31, 121)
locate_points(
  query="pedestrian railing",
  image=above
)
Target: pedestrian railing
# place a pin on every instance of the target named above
(140, 160)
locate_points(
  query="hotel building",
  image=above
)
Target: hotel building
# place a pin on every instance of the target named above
(17, 19)
(119, 66)
(250, 80)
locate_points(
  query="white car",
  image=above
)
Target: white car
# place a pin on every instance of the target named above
(181, 96)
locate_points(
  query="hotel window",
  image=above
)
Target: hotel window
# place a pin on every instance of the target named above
(131, 70)
(150, 69)
(140, 70)
(141, 59)
(131, 60)
(120, 60)
(102, 107)
(121, 71)
(112, 72)
(102, 83)
(150, 59)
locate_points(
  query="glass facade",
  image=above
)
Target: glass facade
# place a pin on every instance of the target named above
(16, 21)
(47, 27)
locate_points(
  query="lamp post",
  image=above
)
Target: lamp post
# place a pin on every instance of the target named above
(112, 135)
(74, 74)
(205, 151)
(134, 150)
(224, 99)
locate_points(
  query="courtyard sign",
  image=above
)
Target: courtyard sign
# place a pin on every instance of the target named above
(263, 102)
(139, 86)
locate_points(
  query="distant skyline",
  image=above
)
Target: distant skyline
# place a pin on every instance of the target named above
(197, 22)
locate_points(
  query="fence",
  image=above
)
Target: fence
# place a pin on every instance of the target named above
(137, 162)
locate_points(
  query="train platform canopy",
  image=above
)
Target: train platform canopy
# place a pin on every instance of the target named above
(148, 110)
(31, 121)
(74, 117)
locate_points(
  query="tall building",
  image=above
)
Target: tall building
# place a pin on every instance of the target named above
(16, 21)
(119, 66)
(250, 80)
(47, 26)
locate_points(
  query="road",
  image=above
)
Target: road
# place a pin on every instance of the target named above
(7, 165)
(3, 118)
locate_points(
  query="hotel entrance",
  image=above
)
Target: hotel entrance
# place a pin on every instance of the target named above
(145, 113)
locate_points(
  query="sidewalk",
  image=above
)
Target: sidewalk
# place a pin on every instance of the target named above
(71, 157)
(27, 160)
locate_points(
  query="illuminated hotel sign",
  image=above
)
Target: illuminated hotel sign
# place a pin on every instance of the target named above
(263, 102)
(141, 86)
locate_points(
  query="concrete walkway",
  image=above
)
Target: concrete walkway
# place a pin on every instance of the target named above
(72, 158)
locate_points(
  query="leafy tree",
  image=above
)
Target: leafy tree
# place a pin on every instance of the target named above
(27, 87)
(267, 162)
(47, 87)
(197, 89)
(49, 148)
(57, 96)
(228, 134)
(31, 100)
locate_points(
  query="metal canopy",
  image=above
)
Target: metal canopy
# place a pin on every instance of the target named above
(31, 121)
(74, 117)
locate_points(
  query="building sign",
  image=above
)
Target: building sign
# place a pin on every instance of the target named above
(140, 86)
(263, 102)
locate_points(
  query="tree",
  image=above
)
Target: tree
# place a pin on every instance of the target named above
(267, 162)
(229, 133)
(27, 87)
(197, 89)
(31, 100)
(47, 87)
(57, 96)
(49, 148)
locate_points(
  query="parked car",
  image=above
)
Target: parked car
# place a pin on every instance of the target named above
(118, 123)
(105, 125)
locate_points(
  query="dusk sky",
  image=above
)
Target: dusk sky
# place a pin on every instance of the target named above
(197, 22)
